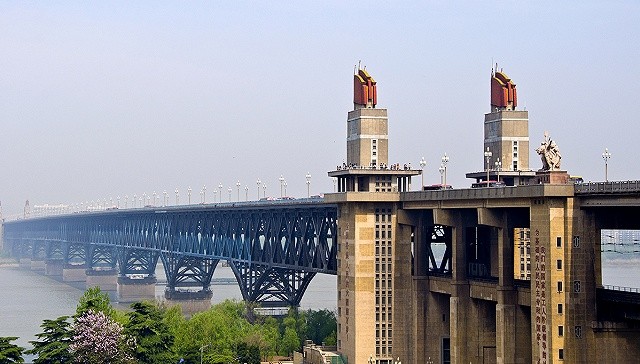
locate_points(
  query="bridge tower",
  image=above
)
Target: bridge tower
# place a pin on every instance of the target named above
(371, 284)
(506, 135)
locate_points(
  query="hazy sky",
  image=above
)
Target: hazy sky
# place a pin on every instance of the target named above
(100, 99)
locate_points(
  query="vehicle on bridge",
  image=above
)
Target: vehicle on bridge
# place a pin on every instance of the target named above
(490, 183)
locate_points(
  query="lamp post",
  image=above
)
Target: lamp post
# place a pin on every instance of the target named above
(144, 198)
(177, 196)
(246, 193)
(189, 194)
(281, 179)
(230, 190)
(498, 164)
(202, 350)
(155, 195)
(264, 190)
(606, 156)
(445, 160)
(220, 188)
(126, 200)
(308, 177)
(258, 183)
(166, 197)
(215, 193)
(422, 164)
(201, 196)
(441, 170)
(285, 188)
(118, 199)
(487, 155)
(135, 199)
(238, 187)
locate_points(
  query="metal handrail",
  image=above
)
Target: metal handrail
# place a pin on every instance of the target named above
(622, 289)
(607, 187)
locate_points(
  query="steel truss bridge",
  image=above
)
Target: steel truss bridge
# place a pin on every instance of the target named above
(273, 248)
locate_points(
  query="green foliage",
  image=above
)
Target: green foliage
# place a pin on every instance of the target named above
(53, 346)
(247, 353)
(10, 353)
(95, 300)
(153, 335)
(321, 326)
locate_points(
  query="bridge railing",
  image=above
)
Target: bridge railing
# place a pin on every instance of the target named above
(622, 289)
(607, 187)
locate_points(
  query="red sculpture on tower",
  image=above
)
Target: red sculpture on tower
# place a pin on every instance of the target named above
(503, 92)
(364, 89)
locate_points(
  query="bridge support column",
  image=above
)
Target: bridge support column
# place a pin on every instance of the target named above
(25, 263)
(38, 265)
(460, 301)
(191, 302)
(74, 273)
(53, 267)
(106, 279)
(134, 290)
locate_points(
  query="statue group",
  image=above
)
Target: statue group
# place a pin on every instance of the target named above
(549, 153)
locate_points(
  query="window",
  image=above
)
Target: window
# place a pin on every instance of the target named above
(446, 350)
(560, 286)
(560, 308)
(559, 242)
(576, 241)
(561, 354)
(559, 264)
(515, 165)
(560, 330)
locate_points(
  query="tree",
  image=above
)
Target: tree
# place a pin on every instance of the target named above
(98, 339)
(95, 300)
(10, 353)
(53, 347)
(321, 324)
(154, 339)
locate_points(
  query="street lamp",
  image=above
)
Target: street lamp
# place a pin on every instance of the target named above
(308, 177)
(177, 196)
(230, 190)
(258, 183)
(238, 186)
(155, 195)
(422, 164)
(487, 156)
(498, 164)
(166, 198)
(126, 200)
(285, 188)
(445, 160)
(606, 156)
(135, 198)
(202, 350)
(189, 194)
(220, 188)
(118, 198)
(441, 170)
(281, 179)
(204, 193)
(215, 193)
(264, 190)
(246, 193)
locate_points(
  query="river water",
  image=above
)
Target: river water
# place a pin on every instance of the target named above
(27, 298)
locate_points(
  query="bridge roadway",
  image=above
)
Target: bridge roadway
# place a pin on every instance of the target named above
(274, 248)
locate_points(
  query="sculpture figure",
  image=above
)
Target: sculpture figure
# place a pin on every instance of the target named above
(549, 153)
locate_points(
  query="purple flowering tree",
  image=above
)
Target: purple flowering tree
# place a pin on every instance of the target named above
(98, 339)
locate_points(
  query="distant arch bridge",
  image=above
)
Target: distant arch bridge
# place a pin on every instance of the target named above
(274, 248)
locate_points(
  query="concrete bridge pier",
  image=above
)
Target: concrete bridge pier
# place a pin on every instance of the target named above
(74, 273)
(53, 267)
(191, 302)
(106, 279)
(25, 263)
(38, 265)
(134, 290)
